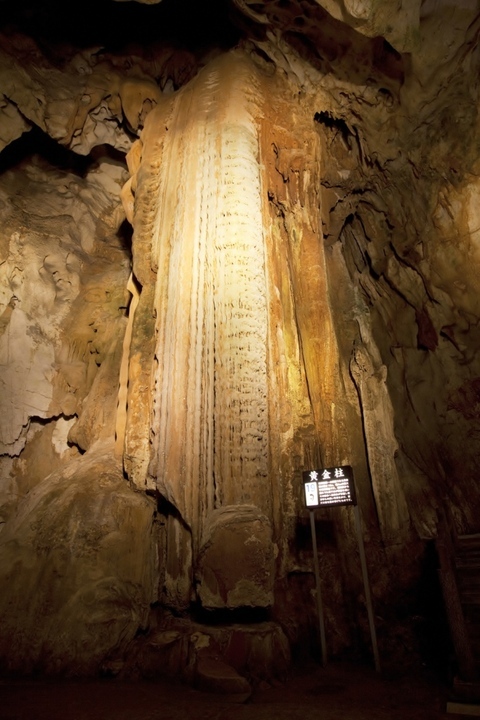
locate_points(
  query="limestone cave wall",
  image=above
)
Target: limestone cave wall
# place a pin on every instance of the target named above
(236, 243)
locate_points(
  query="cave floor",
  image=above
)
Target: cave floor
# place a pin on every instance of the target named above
(337, 692)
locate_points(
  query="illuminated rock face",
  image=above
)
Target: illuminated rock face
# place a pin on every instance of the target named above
(64, 562)
(204, 234)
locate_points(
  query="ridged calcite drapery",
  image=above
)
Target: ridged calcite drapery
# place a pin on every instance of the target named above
(199, 204)
(245, 387)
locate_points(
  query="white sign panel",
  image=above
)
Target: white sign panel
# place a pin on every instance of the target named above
(311, 494)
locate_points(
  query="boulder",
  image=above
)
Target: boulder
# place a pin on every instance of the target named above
(235, 565)
(214, 675)
(77, 569)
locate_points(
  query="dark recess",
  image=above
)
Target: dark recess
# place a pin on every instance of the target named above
(36, 142)
(115, 25)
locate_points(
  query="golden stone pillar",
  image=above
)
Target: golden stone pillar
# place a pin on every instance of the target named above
(242, 391)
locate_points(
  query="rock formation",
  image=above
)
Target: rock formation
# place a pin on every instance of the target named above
(234, 247)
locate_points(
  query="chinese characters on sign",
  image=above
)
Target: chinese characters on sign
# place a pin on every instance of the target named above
(329, 486)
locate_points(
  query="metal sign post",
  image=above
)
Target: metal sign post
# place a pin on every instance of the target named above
(321, 622)
(366, 585)
(329, 487)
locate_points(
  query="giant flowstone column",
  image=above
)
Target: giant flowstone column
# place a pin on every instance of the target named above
(234, 379)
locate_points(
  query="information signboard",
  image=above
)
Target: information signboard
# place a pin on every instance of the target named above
(330, 486)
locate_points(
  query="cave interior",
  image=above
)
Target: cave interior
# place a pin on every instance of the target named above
(239, 241)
